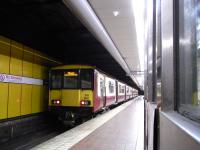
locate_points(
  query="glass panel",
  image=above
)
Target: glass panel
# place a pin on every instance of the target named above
(56, 80)
(127, 91)
(111, 87)
(102, 86)
(71, 79)
(189, 59)
(121, 89)
(158, 51)
(86, 79)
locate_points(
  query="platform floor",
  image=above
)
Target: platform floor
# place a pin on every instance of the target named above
(119, 129)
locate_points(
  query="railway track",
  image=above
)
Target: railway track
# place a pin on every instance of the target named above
(30, 140)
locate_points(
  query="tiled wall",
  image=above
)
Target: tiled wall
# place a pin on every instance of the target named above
(18, 99)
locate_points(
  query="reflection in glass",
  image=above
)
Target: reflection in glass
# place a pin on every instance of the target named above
(56, 80)
(71, 81)
(189, 59)
(86, 79)
(111, 87)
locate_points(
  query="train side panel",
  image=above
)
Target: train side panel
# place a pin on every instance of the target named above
(130, 92)
(127, 92)
(135, 92)
(110, 91)
(121, 92)
(99, 91)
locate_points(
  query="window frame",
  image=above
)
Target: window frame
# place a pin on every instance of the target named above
(50, 80)
(111, 84)
(79, 79)
(180, 110)
(92, 79)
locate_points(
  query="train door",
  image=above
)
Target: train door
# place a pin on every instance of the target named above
(102, 91)
(125, 93)
(116, 86)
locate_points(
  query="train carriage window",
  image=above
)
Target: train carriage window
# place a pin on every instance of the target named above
(56, 80)
(189, 59)
(71, 79)
(102, 87)
(121, 89)
(86, 79)
(127, 91)
(111, 87)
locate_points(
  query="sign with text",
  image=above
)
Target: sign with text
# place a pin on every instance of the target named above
(19, 79)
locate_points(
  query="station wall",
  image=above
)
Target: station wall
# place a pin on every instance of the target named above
(22, 72)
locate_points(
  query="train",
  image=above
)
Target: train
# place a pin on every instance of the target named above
(80, 91)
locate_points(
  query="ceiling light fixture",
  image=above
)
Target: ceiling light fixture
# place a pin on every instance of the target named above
(115, 13)
(138, 7)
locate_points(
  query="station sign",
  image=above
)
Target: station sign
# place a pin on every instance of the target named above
(19, 79)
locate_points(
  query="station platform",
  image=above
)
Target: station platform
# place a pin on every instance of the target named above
(121, 128)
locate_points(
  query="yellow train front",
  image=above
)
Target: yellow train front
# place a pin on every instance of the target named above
(71, 91)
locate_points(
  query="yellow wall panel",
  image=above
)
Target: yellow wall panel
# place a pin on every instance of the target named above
(4, 55)
(29, 50)
(37, 71)
(22, 99)
(27, 69)
(28, 58)
(4, 39)
(42, 100)
(36, 99)
(26, 99)
(14, 100)
(3, 100)
(46, 97)
(16, 58)
(44, 72)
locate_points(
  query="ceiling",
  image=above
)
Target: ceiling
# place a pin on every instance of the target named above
(48, 26)
(120, 27)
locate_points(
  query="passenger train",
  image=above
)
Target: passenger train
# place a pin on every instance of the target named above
(80, 91)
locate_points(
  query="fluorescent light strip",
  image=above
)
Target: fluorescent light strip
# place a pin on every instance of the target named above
(138, 12)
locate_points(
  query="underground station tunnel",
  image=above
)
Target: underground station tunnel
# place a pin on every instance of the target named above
(99, 75)
(59, 67)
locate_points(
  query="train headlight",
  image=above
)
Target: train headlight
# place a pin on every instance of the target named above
(56, 101)
(84, 102)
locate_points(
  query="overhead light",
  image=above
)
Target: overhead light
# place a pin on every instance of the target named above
(138, 12)
(115, 13)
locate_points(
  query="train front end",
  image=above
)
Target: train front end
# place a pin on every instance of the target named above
(71, 92)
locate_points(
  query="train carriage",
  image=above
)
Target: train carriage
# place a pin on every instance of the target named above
(128, 92)
(121, 92)
(79, 91)
(71, 91)
(110, 91)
